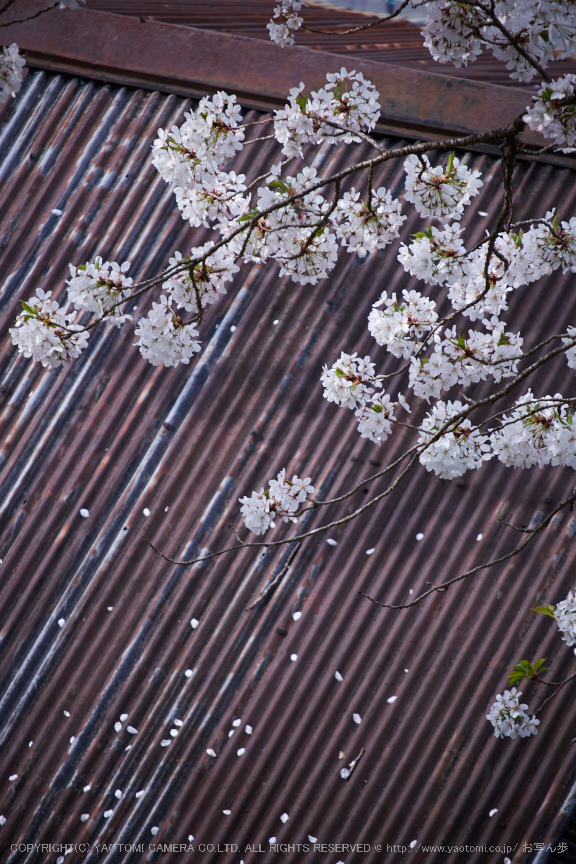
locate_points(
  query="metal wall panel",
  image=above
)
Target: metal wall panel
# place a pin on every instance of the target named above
(397, 42)
(115, 435)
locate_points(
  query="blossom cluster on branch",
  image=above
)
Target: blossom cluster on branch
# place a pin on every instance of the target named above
(509, 718)
(283, 498)
(11, 72)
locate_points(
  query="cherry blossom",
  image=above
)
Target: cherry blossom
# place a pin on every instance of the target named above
(363, 227)
(11, 72)
(282, 498)
(203, 281)
(458, 33)
(565, 613)
(348, 382)
(460, 448)
(509, 718)
(348, 104)
(164, 337)
(440, 192)
(553, 111)
(46, 332)
(399, 326)
(376, 416)
(209, 135)
(98, 287)
(435, 255)
(537, 432)
(285, 21)
(214, 197)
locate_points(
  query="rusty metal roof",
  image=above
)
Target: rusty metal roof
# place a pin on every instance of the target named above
(114, 435)
(398, 42)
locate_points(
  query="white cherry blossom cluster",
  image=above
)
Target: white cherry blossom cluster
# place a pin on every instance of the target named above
(401, 325)
(439, 257)
(347, 105)
(11, 72)
(458, 33)
(376, 415)
(217, 198)
(296, 234)
(363, 227)
(553, 111)
(469, 293)
(190, 158)
(440, 192)
(203, 281)
(97, 287)
(537, 432)
(565, 613)
(452, 33)
(164, 337)
(463, 360)
(435, 255)
(458, 449)
(570, 339)
(349, 381)
(509, 718)
(47, 333)
(208, 136)
(285, 22)
(283, 498)
(548, 245)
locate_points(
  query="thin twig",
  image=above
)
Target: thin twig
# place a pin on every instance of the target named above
(271, 587)
(444, 585)
(560, 686)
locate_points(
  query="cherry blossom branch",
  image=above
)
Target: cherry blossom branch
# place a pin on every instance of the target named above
(558, 685)
(28, 18)
(394, 153)
(361, 27)
(510, 38)
(445, 585)
(273, 543)
(271, 587)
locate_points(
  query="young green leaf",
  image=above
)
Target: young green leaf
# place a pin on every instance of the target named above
(278, 184)
(248, 216)
(525, 669)
(545, 610)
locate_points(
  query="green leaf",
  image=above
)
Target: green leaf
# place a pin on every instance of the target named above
(248, 216)
(421, 234)
(338, 90)
(339, 373)
(29, 309)
(301, 101)
(545, 610)
(525, 669)
(539, 665)
(450, 164)
(556, 222)
(376, 408)
(461, 341)
(278, 184)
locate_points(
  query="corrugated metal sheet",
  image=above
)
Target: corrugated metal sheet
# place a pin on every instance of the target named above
(114, 435)
(398, 42)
